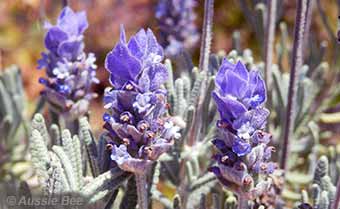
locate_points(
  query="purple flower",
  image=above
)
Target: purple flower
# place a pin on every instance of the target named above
(243, 145)
(136, 105)
(70, 72)
(65, 38)
(137, 62)
(176, 19)
(237, 90)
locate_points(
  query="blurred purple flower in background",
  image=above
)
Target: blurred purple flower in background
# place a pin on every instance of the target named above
(176, 19)
(136, 105)
(243, 145)
(70, 71)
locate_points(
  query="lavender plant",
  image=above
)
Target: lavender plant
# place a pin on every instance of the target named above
(161, 121)
(243, 164)
(60, 165)
(13, 124)
(176, 19)
(136, 119)
(69, 70)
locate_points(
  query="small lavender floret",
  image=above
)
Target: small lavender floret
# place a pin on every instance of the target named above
(136, 105)
(243, 147)
(70, 71)
(176, 20)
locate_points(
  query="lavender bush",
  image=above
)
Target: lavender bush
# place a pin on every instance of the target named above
(176, 19)
(231, 133)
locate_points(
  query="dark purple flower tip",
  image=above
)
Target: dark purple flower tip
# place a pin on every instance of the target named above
(44, 81)
(216, 170)
(220, 144)
(241, 148)
(43, 62)
(305, 206)
(107, 117)
(63, 89)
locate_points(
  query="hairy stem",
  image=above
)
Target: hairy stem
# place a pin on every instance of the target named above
(337, 196)
(1, 59)
(65, 3)
(297, 61)
(206, 34)
(142, 191)
(308, 23)
(269, 43)
(203, 65)
(242, 203)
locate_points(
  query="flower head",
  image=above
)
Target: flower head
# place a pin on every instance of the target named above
(243, 145)
(176, 20)
(237, 90)
(70, 72)
(137, 63)
(136, 105)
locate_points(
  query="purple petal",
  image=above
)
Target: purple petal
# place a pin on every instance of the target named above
(261, 137)
(226, 65)
(216, 170)
(122, 65)
(241, 70)
(68, 21)
(54, 37)
(220, 144)
(229, 109)
(271, 167)
(241, 148)
(233, 85)
(153, 46)
(43, 62)
(124, 160)
(153, 77)
(256, 93)
(122, 37)
(138, 43)
(71, 49)
(255, 117)
(82, 22)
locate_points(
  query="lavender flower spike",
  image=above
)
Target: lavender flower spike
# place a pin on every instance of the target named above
(70, 71)
(136, 105)
(176, 20)
(243, 147)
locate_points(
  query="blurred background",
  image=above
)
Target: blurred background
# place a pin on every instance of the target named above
(22, 34)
